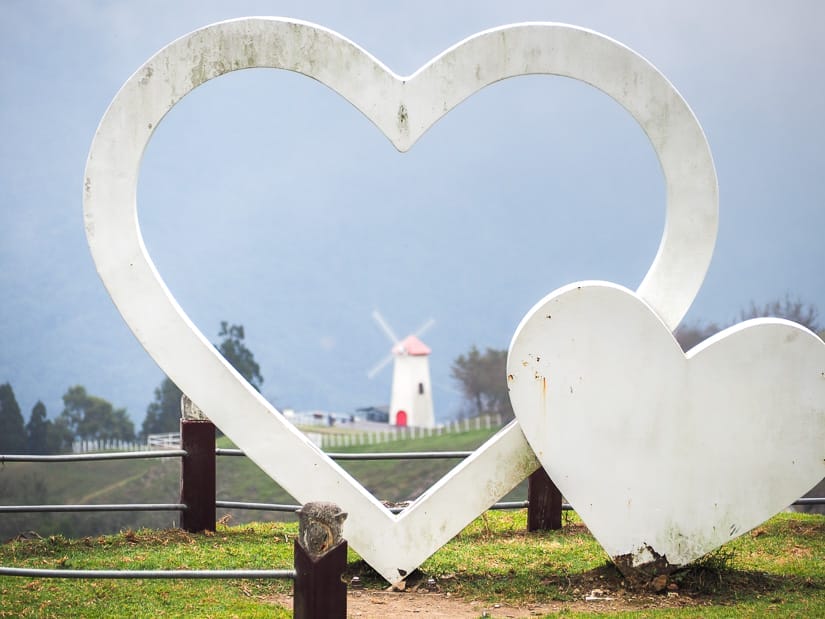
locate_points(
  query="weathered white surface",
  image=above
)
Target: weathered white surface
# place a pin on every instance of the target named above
(191, 411)
(403, 109)
(655, 448)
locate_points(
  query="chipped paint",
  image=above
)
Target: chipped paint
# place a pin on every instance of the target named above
(147, 75)
(642, 565)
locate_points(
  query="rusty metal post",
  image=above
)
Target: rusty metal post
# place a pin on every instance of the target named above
(197, 480)
(320, 560)
(544, 503)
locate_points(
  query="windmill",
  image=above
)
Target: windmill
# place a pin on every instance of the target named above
(411, 401)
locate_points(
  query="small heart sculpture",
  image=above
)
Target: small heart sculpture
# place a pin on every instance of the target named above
(403, 108)
(666, 456)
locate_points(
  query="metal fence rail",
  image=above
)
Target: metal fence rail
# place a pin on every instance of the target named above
(402, 455)
(386, 455)
(810, 501)
(115, 507)
(268, 507)
(106, 455)
(275, 507)
(154, 574)
(180, 453)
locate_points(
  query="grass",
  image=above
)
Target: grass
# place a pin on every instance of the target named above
(119, 481)
(158, 481)
(389, 480)
(777, 569)
(247, 547)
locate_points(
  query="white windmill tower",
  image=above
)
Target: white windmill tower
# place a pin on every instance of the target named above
(411, 402)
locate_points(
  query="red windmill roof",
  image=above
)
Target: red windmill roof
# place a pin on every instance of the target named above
(411, 345)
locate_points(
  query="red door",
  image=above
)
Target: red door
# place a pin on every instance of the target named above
(401, 418)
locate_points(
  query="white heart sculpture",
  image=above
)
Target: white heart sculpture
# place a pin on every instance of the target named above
(666, 456)
(403, 108)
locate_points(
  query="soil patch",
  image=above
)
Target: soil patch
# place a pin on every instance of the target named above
(603, 589)
(405, 605)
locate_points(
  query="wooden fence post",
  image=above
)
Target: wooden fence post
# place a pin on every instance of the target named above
(543, 503)
(197, 480)
(320, 561)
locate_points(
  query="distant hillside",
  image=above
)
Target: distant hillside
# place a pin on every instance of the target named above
(238, 479)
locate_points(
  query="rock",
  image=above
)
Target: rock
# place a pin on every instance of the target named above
(659, 583)
(320, 527)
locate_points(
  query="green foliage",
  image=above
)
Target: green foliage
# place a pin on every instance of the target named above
(60, 435)
(163, 415)
(482, 380)
(234, 350)
(12, 431)
(37, 430)
(89, 417)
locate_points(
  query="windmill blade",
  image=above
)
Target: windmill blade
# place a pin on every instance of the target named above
(424, 328)
(379, 366)
(385, 327)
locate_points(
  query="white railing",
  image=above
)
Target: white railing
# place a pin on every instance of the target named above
(168, 440)
(87, 446)
(331, 439)
(336, 436)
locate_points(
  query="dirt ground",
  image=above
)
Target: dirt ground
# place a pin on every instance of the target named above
(602, 589)
(423, 603)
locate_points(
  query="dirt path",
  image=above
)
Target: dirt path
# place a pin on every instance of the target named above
(369, 604)
(106, 489)
(383, 604)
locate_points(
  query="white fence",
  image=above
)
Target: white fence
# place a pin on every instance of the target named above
(80, 447)
(356, 437)
(336, 436)
(168, 440)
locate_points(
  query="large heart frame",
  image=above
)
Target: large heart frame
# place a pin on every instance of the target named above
(402, 108)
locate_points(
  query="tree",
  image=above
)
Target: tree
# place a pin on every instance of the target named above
(163, 414)
(37, 430)
(12, 431)
(796, 311)
(235, 351)
(689, 335)
(482, 378)
(89, 417)
(59, 436)
(790, 309)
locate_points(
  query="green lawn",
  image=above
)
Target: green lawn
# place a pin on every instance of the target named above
(158, 481)
(778, 569)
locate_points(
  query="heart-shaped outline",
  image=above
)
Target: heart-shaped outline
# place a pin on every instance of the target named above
(403, 108)
(664, 453)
